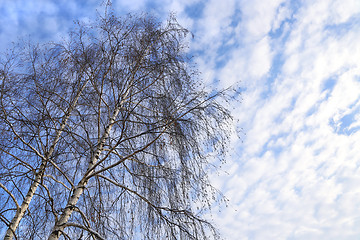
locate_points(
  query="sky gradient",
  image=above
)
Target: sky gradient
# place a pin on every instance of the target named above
(294, 171)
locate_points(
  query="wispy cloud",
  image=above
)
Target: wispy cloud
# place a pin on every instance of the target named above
(296, 175)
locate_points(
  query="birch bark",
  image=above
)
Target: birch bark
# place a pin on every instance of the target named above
(10, 232)
(79, 189)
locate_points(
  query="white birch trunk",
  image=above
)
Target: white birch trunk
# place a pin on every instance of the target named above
(31, 192)
(24, 206)
(61, 223)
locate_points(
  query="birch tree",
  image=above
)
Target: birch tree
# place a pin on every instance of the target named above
(108, 135)
(39, 92)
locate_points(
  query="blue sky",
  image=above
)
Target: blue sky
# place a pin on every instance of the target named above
(296, 172)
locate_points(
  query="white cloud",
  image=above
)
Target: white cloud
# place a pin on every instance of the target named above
(297, 175)
(283, 13)
(342, 10)
(258, 17)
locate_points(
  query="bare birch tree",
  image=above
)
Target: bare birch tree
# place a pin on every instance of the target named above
(107, 136)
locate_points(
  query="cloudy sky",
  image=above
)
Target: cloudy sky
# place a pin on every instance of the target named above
(294, 173)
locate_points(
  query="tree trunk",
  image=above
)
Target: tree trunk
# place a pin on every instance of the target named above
(25, 204)
(61, 223)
